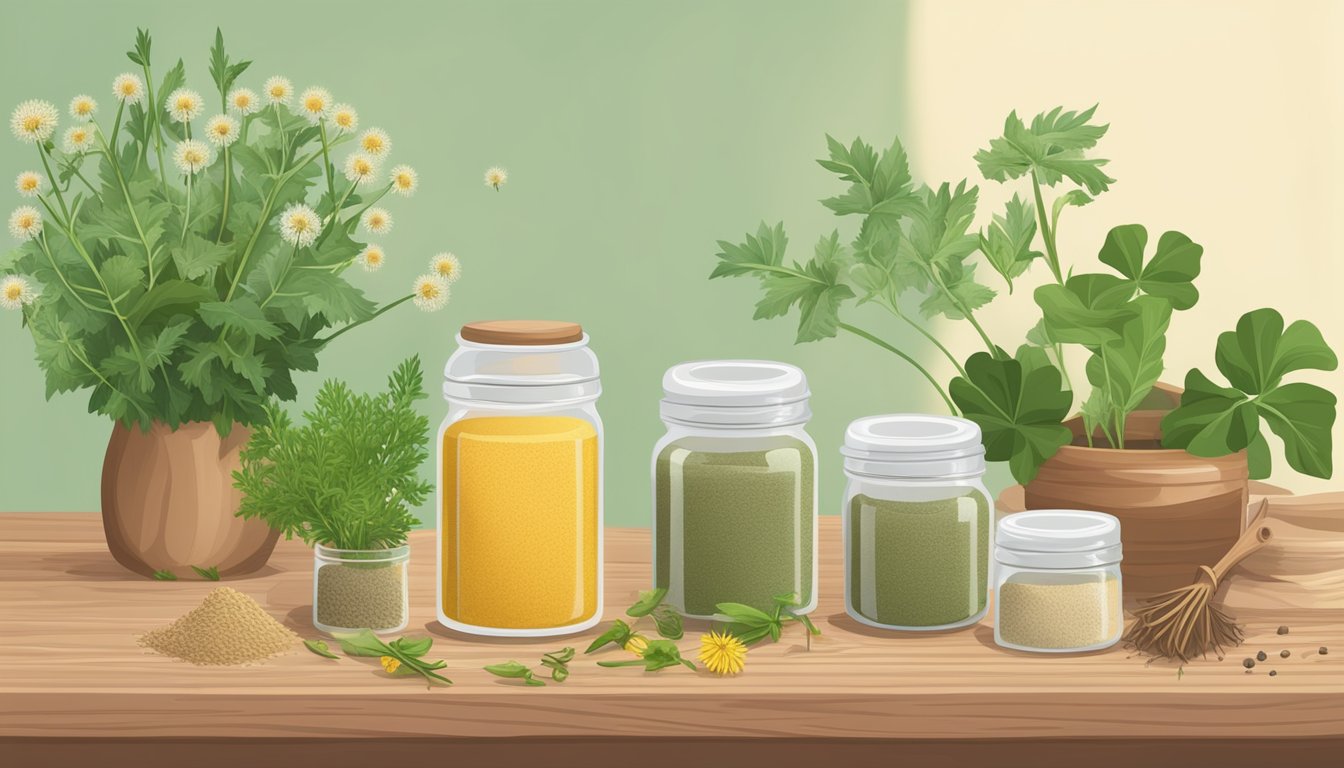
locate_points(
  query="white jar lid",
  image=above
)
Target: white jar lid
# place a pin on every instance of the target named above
(1058, 538)
(730, 393)
(913, 445)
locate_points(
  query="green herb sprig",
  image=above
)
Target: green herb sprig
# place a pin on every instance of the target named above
(752, 625)
(660, 654)
(321, 648)
(556, 661)
(209, 574)
(515, 670)
(406, 650)
(165, 575)
(666, 621)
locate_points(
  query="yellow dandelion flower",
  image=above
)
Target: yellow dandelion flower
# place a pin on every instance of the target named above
(359, 167)
(77, 139)
(244, 101)
(390, 663)
(345, 118)
(376, 142)
(29, 183)
(278, 90)
(722, 653)
(34, 121)
(431, 292)
(404, 180)
(83, 108)
(377, 221)
(184, 105)
(637, 644)
(128, 87)
(25, 223)
(300, 225)
(221, 130)
(191, 156)
(447, 266)
(315, 103)
(371, 258)
(495, 177)
(16, 292)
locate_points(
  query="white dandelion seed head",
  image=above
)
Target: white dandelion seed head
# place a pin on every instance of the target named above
(376, 142)
(360, 168)
(221, 130)
(25, 223)
(315, 103)
(34, 121)
(191, 156)
(371, 258)
(446, 266)
(377, 221)
(278, 90)
(29, 183)
(77, 140)
(244, 101)
(83, 108)
(128, 87)
(184, 105)
(15, 292)
(345, 118)
(431, 292)
(404, 180)
(496, 177)
(300, 225)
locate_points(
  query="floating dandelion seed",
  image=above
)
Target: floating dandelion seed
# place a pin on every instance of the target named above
(447, 266)
(315, 103)
(431, 292)
(184, 105)
(371, 258)
(29, 183)
(377, 221)
(376, 142)
(495, 177)
(221, 130)
(191, 156)
(244, 101)
(128, 87)
(359, 167)
(83, 108)
(404, 180)
(345, 118)
(34, 121)
(278, 90)
(15, 292)
(25, 223)
(722, 653)
(299, 225)
(77, 140)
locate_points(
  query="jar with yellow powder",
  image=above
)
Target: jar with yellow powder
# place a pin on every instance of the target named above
(520, 482)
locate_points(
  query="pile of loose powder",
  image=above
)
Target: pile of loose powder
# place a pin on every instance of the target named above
(227, 628)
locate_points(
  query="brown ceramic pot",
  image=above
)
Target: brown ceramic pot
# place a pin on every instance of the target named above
(169, 502)
(1176, 511)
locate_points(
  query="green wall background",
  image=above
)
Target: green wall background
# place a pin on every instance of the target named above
(635, 135)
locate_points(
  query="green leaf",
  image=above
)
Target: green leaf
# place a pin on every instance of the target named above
(1052, 148)
(1129, 367)
(511, 669)
(668, 622)
(879, 187)
(765, 248)
(1256, 356)
(320, 648)
(738, 613)
(330, 295)
(648, 600)
(160, 347)
(362, 643)
(174, 79)
(1302, 415)
(209, 574)
(618, 634)
(1007, 243)
(198, 256)
(123, 276)
(1073, 197)
(166, 299)
(1088, 309)
(1020, 405)
(165, 576)
(815, 287)
(1211, 421)
(1171, 272)
(240, 314)
(963, 294)
(410, 646)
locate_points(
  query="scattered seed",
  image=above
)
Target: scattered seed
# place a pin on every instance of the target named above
(1248, 662)
(1261, 656)
(1283, 630)
(1273, 672)
(1284, 653)
(1323, 650)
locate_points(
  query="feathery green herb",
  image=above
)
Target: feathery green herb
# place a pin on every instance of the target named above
(209, 574)
(165, 575)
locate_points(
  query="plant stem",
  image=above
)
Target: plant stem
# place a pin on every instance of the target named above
(403, 300)
(275, 289)
(228, 177)
(186, 217)
(895, 309)
(110, 155)
(116, 123)
(907, 358)
(152, 115)
(326, 165)
(1051, 253)
(42, 243)
(56, 190)
(261, 222)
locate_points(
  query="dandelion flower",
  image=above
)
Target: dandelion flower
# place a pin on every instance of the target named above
(315, 103)
(78, 139)
(16, 292)
(722, 653)
(637, 644)
(25, 223)
(83, 108)
(191, 156)
(29, 183)
(495, 177)
(371, 258)
(378, 221)
(376, 142)
(244, 101)
(184, 105)
(404, 180)
(278, 90)
(447, 266)
(345, 118)
(299, 225)
(359, 167)
(221, 130)
(34, 121)
(128, 87)
(390, 663)
(431, 292)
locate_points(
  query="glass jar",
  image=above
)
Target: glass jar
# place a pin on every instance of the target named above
(356, 589)
(519, 482)
(917, 522)
(1058, 581)
(735, 488)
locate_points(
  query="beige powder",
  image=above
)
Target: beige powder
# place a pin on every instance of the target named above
(1060, 615)
(227, 628)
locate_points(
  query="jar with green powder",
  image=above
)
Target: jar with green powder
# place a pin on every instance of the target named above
(917, 522)
(735, 487)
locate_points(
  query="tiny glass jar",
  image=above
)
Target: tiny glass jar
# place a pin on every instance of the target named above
(1057, 581)
(520, 482)
(735, 488)
(917, 522)
(356, 589)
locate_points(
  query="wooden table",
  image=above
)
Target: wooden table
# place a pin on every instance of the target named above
(75, 688)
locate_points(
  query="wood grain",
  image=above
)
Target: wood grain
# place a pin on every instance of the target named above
(70, 669)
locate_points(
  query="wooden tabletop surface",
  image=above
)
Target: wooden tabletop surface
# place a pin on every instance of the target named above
(70, 668)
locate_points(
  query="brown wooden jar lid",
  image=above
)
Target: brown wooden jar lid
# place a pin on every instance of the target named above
(522, 332)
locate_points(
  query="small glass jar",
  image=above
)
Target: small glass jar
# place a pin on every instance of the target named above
(735, 488)
(519, 482)
(356, 589)
(917, 522)
(1058, 581)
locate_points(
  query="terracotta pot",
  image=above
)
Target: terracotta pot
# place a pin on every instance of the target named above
(1176, 511)
(169, 502)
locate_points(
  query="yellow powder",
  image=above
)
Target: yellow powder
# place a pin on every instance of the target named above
(227, 628)
(520, 525)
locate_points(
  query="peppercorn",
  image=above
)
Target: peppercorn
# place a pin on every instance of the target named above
(1283, 630)
(1323, 650)
(1273, 672)
(1284, 653)
(1261, 656)
(1248, 662)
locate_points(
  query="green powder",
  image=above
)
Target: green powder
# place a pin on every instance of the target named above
(359, 596)
(734, 527)
(919, 563)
